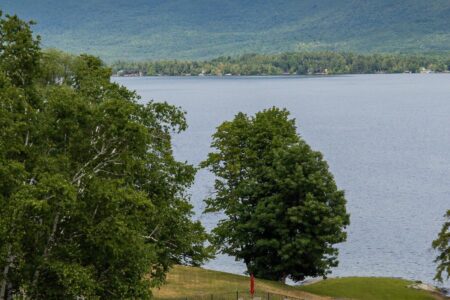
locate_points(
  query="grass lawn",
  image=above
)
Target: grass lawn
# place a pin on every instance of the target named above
(368, 288)
(199, 284)
(185, 282)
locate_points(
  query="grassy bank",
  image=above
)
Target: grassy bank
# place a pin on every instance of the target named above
(185, 282)
(368, 288)
(197, 283)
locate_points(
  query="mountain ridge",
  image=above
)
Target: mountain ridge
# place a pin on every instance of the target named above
(203, 29)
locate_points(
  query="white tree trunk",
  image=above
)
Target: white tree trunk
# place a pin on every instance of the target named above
(48, 247)
(8, 265)
(4, 282)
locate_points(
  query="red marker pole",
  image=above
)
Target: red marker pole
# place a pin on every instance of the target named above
(252, 285)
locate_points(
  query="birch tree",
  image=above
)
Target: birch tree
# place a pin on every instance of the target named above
(93, 202)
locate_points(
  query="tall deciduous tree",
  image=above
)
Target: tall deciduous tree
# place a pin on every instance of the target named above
(283, 210)
(442, 244)
(92, 201)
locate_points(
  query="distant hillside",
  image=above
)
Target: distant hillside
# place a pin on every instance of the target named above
(200, 29)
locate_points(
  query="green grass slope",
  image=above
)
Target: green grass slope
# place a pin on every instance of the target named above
(368, 288)
(198, 284)
(200, 29)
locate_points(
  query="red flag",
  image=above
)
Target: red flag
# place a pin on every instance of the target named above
(252, 285)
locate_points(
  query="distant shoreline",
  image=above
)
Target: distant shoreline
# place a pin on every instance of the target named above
(289, 64)
(280, 76)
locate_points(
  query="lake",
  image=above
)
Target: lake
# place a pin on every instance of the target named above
(385, 137)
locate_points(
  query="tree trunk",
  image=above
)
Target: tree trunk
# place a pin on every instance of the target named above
(47, 249)
(9, 294)
(4, 283)
(8, 265)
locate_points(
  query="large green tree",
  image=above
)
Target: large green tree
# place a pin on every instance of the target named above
(442, 244)
(283, 210)
(92, 201)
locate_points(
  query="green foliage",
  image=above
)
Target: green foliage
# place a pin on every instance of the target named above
(19, 53)
(442, 244)
(300, 63)
(93, 202)
(284, 211)
(203, 29)
(368, 288)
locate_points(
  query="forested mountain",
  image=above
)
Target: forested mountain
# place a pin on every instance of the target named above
(200, 29)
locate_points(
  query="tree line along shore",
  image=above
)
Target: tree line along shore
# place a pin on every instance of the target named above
(292, 63)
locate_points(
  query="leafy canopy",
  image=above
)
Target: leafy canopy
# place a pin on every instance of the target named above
(442, 244)
(93, 202)
(283, 210)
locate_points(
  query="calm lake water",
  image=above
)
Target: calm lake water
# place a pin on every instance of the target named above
(386, 138)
